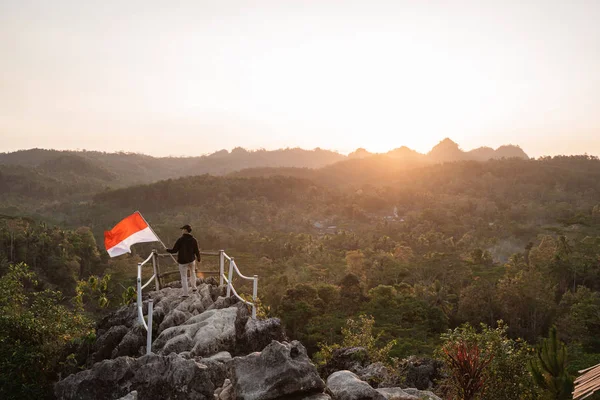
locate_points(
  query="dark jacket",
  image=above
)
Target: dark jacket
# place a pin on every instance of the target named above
(186, 248)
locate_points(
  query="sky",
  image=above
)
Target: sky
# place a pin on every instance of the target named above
(191, 77)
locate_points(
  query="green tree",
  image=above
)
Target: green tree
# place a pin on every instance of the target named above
(549, 368)
(34, 330)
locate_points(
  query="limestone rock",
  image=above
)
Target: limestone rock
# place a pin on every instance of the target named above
(107, 379)
(223, 356)
(378, 375)
(131, 396)
(259, 334)
(223, 302)
(131, 343)
(173, 377)
(320, 396)
(352, 359)
(174, 318)
(108, 341)
(345, 385)
(126, 316)
(225, 392)
(422, 394)
(281, 370)
(153, 377)
(396, 394)
(204, 335)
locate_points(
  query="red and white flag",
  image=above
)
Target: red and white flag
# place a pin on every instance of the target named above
(131, 230)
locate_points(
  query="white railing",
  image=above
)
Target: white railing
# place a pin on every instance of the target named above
(148, 326)
(222, 278)
(229, 279)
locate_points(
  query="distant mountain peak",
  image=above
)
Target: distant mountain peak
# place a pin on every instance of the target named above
(510, 151)
(446, 150)
(360, 153)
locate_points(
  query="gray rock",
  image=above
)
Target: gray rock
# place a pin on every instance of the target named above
(105, 380)
(281, 370)
(320, 396)
(174, 318)
(225, 392)
(126, 315)
(131, 343)
(206, 296)
(222, 356)
(422, 394)
(152, 376)
(345, 385)
(222, 302)
(131, 396)
(378, 375)
(396, 394)
(173, 377)
(108, 341)
(421, 373)
(258, 334)
(204, 335)
(348, 358)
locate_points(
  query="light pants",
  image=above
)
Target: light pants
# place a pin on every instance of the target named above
(183, 270)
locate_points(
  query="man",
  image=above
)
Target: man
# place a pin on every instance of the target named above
(188, 252)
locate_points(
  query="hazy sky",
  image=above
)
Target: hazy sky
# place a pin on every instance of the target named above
(191, 77)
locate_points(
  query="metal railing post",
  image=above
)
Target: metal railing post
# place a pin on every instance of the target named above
(230, 276)
(139, 292)
(254, 295)
(154, 267)
(221, 266)
(149, 333)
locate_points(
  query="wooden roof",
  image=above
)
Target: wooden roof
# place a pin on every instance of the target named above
(588, 383)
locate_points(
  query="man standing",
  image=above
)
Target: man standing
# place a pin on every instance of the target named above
(188, 252)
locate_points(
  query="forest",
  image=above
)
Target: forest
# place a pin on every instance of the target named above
(502, 254)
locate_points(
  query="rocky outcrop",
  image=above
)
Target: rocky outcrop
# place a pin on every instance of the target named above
(207, 347)
(152, 377)
(202, 335)
(106, 343)
(281, 370)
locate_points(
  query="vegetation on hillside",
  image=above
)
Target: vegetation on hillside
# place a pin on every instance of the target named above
(418, 251)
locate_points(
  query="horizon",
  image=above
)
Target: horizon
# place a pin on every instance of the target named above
(263, 149)
(164, 80)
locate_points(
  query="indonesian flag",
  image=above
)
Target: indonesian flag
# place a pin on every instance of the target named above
(133, 229)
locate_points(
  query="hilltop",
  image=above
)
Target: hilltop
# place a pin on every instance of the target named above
(208, 347)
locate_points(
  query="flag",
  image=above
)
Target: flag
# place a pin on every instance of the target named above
(131, 230)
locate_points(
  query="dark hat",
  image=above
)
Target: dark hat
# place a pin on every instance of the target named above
(187, 228)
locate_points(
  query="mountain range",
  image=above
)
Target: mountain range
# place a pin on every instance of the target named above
(35, 177)
(123, 169)
(448, 151)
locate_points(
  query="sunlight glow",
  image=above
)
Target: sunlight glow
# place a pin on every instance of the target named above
(274, 74)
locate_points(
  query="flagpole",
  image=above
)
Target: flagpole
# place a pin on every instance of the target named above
(161, 242)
